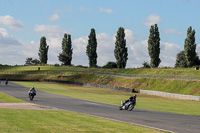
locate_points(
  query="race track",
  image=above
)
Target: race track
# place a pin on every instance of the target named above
(161, 120)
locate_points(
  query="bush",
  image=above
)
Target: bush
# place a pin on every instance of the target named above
(110, 65)
(81, 66)
(56, 64)
(146, 65)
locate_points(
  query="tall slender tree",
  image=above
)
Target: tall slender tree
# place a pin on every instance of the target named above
(190, 47)
(92, 48)
(43, 50)
(154, 46)
(121, 51)
(66, 56)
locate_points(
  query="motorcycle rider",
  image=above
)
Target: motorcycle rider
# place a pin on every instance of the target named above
(32, 90)
(6, 82)
(131, 99)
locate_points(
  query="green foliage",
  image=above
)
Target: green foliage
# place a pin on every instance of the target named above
(30, 61)
(146, 65)
(110, 65)
(181, 60)
(66, 56)
(190, 47)
(92, 48)
(154, 46)
(121, 51)
(43, 51)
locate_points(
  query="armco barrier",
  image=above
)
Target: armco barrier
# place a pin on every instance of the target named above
(171, 95)
(92, 85)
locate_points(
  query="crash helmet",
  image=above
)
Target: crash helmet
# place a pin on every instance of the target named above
(134, 96)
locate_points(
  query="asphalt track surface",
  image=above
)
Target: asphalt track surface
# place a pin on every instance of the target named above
(159, 120)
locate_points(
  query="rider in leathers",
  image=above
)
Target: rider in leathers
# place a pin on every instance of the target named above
(32, 90)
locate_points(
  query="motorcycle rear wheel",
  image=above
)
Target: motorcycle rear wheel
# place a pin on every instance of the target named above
(130, 107)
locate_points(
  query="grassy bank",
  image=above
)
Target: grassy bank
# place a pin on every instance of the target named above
(188, 87)
(32, 121)
(57, 69)
(114, 97)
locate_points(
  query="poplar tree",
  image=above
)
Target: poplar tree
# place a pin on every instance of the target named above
(154, 46)
(66, 56)
(121, 51)
(190, 47)
(43, 51)
(92, 48)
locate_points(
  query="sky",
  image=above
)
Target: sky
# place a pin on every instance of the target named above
(24, 22)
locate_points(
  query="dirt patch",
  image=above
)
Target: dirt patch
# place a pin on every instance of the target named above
(27, 106)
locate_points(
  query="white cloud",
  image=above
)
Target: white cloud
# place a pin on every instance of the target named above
(17, 54)
(11, 22)
(168, 53)
(172, 31)
(32, 42)
(79, 48)
(106, 10)
(137, 50)
(54, 17)
(54, 37)
(7, 39)
(153, 19)
(52, 33)
(198, 49)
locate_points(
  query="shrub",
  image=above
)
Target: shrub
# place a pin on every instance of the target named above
(110, 65)
(146, 65)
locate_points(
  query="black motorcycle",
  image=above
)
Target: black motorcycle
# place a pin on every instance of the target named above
(129, 105)
(31, 95)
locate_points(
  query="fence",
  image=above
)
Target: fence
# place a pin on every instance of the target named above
(171, 95)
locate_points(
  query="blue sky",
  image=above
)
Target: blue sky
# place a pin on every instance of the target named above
(24, 22)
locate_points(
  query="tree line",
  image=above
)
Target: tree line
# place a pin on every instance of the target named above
(186, 58)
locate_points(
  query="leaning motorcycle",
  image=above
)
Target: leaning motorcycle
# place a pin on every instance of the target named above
(127, 106)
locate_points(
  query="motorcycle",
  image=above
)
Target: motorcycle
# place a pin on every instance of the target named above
(31, 95)
(127, 105)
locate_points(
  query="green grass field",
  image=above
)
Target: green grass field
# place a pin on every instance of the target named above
(36, 121)
(115, 97)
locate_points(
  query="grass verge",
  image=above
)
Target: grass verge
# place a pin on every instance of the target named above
(114, 97)
(32, 121)
(4, 98)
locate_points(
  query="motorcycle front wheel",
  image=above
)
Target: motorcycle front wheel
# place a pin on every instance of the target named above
(31, 97)
(120, 107)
